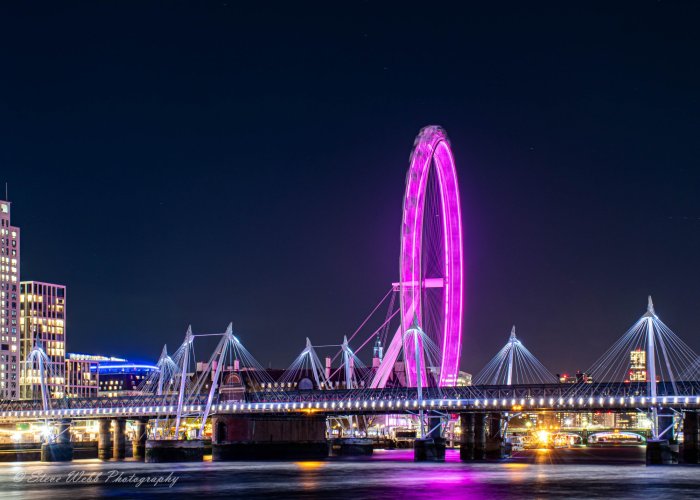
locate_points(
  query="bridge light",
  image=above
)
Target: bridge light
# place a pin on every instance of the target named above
(644, 401)
(541, 401)
(551, 401)
(512, 403)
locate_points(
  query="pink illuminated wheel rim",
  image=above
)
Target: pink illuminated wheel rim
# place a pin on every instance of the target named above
(431, 263)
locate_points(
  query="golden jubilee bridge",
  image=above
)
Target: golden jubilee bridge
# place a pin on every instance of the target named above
(414, 334)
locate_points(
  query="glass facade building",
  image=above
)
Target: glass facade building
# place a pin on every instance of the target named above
(42, 320)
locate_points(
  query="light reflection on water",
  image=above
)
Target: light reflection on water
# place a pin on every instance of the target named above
(389, 474)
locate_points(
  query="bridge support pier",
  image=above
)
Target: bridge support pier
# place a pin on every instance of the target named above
(119, 445)
(139, 442)
(432, 447)
(691, 437)
(62, 449)
(494, 449)
(174, 450)
(479, 436)
(660, 452)
(269, 438)
(425, 450)
(352, 447)
(104, 439)
(466, 447)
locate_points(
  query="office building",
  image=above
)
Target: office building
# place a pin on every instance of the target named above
(9, 305)
(82, 374)
(42, 321)
(122, 379)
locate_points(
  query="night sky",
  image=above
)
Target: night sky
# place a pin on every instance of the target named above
(203, 162)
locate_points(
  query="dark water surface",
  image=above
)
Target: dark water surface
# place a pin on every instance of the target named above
(581, 473)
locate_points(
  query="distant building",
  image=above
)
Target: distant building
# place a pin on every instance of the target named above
(464, 379)
(9, 305)
(122, 379)
(82, 374)
(638, 366)
(578, 378)
(42, 319)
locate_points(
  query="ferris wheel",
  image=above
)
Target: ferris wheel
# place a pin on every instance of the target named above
(431, 270)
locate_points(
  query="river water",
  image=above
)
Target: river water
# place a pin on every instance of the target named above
(389, 474)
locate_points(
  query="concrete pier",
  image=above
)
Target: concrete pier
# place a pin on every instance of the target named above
(104, 439)
(119, 442)
(479, 436)
(139, 442)
(466, 446)
(424, 450)
(269, 438)
(352, 447)
(691, 438)
(62, 449)
(173, 450)
(56, 452)
(494, 441)
(432, 448)
(661, 452)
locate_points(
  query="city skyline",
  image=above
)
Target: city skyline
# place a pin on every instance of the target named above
(166, 201)
(349, 249)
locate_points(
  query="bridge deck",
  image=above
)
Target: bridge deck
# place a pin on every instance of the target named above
(553, 397)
